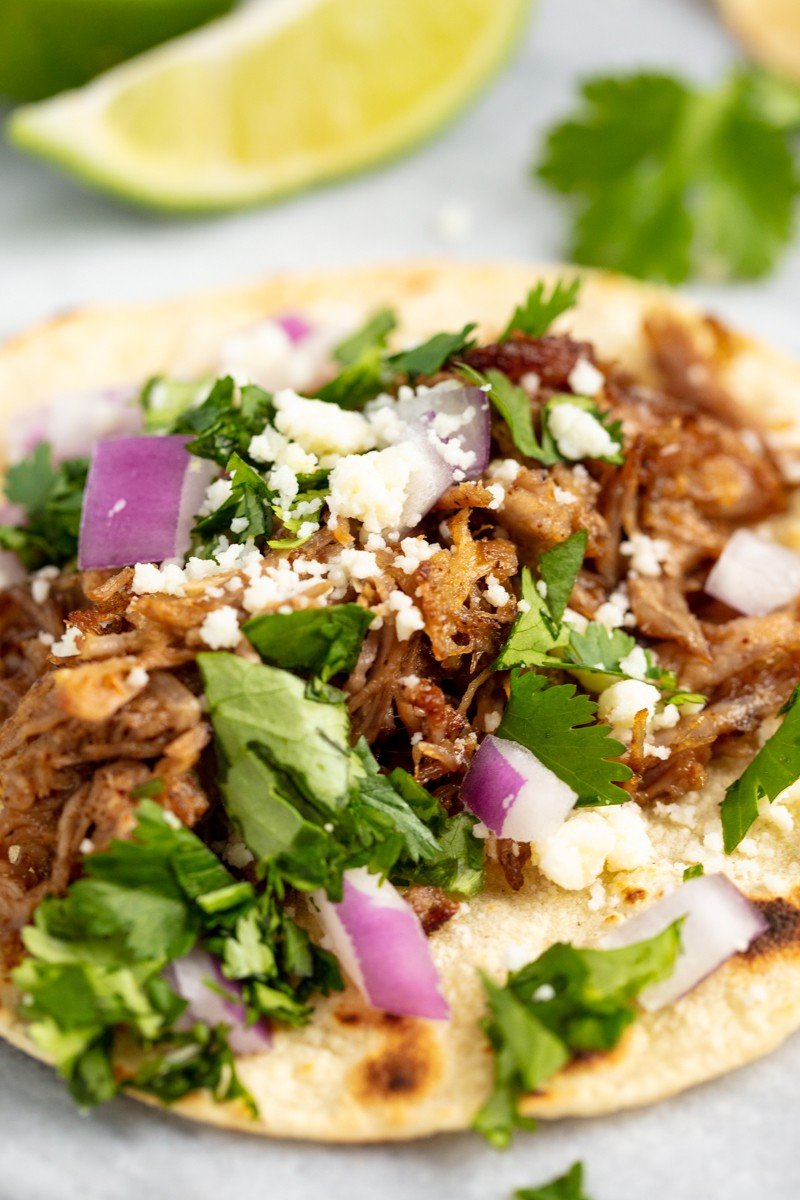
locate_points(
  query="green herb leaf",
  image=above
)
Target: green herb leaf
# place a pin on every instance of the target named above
(776, 765)
(693, 871)
(555, 724)
(185, 1062)
(457, 863)
(534, 637)
(226, 421)
(359, 382)
(671, 180)
(514, 405)
(566, 1002)
(320, 641)
(535, 316)
(371, 336)
(559, 568)
(52, 497)
(566, 1187)
(165, 399)
(429, 357)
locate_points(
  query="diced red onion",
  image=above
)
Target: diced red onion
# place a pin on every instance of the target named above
(513, 794)
(381, 946)
(719, 922)
(439, 468)
(754, 576)
(295, 325)
(73, 422)
(141, 496)
(190, 976)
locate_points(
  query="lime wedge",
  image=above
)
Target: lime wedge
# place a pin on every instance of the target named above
(279, 95)
(49, 45)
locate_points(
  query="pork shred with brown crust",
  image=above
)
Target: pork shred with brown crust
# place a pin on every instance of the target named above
(80, 735)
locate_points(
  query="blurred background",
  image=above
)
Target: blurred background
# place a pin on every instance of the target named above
(467, 191)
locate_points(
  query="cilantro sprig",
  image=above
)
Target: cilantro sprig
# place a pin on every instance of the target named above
(318, 641)
(539, 310)
(539, 633)
(568, 1186)
(51, 496)
(95, 959)
(671, 180)
(567, 1002)
(556, 724)
(775, 767)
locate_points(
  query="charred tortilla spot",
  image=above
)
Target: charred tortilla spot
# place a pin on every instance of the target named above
(634, 895)
(404, 1068)
(783, 933)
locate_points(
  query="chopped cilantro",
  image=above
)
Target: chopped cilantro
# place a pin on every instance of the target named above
(95, 958)
(775, 767)
(693, 871)
(514, 405)
(672, 180)
(320, 641)
(305, 801)
(165, 399)
(226, 421)
(567, 1187)
(457, 865)
(360, 381)
(535, 316)
(371, 336)
(145, 791)
(429, 357)
(52, 498)
(559, 568)
(554, 723)
(250, 500)
(534, 638)
(566, 1002)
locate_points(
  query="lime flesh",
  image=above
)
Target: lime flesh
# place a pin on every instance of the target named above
(273, 98)
(49, 45)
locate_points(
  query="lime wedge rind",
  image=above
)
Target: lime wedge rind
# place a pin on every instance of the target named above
(74, 130)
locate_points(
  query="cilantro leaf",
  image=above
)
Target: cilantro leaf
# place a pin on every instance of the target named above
(693, 871)
(672, 180)
(774, 768)
(360, 381)
(95, 956)
(429, 357)
(514, 405)
(534, 636)
(554, 724)
(457, 864)
(372, 335)
(559, 568)
(164, 400)
(535, 316)
(320, 641)
(567, 1187)
(226, 421)
(566, 1002)
(52, 497)
(250, 500)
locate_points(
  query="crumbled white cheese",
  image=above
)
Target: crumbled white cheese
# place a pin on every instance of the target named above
(68, 645)
(352, 565)
(320, 428)
(138, 678)
(408, 619)
(495, 593)
(632, 847)
(575, 620)
(415, 550)
(498, 494)
(149, 579)
(41, 583)
(216, 494)
(615, 613)
(220, 628)
(530, 382)
(239, 524)
(373, 487)
(585, 379)
(635, 664)
(491, 720)
(619, 704)
(237, 854)
(13, 854)
(668, 718)
(647, 554)
(579, 434)
(283, 481)
(504, 470)
(574, 856)
(563, 496)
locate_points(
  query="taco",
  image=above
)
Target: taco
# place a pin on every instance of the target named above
(398, 696)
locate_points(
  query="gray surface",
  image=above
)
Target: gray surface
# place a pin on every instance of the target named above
(60, 246)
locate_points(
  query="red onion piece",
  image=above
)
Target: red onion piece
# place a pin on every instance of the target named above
(381, 946)
(720, 922)
(513, 794)
(190, 976)
(73, 422)
(754, 576)
(448, 451)
(295, 325)
(141, 496)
